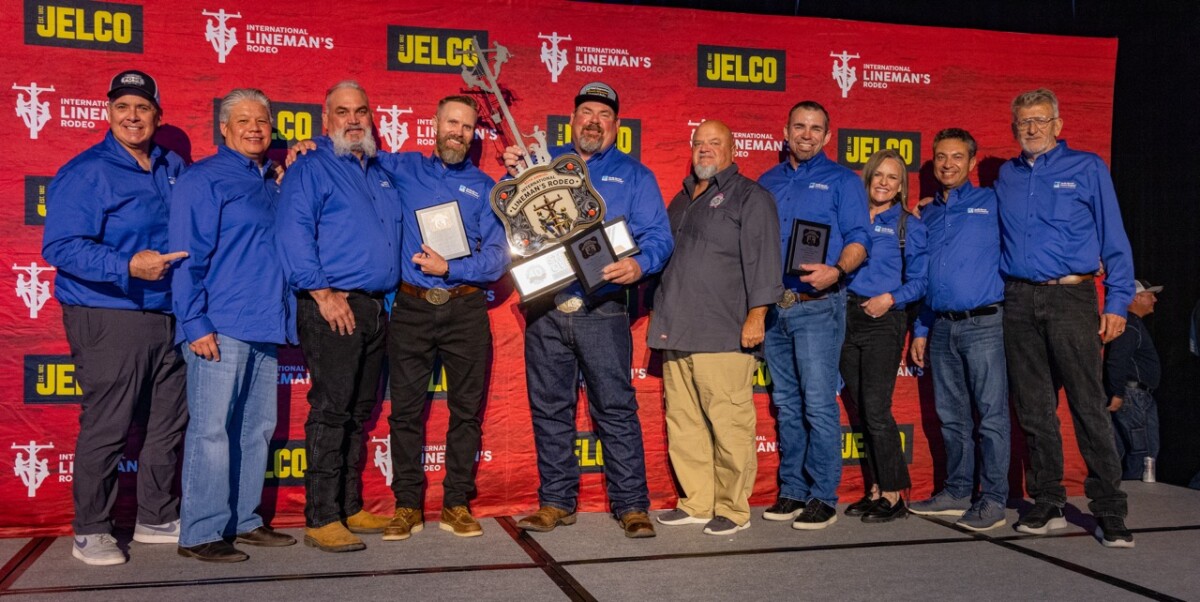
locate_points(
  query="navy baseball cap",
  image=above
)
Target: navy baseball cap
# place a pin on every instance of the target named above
(136, 83)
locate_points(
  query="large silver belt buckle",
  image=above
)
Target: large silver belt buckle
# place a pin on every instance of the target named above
(437, 296)
(789, 299)
(571, 305)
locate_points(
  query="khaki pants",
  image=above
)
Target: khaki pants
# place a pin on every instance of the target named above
(710, 431)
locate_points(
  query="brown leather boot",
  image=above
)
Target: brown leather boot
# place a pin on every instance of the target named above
(458, 520)
(365, 522)
(546, 519)
(403, 524)
(333, 537)
(637, 524)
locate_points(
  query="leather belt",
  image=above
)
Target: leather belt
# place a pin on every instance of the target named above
(1133, 384)
(954, 316)
(791, 297)
(1065, 280)
(438, 295)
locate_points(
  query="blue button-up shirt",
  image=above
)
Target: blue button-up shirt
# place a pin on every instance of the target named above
(629, 189)
(881, 272)
(232, 283)
(964, 253)
(101, 209)
(339, 223)
(821, 191)
(1059, 216)
(424, 181)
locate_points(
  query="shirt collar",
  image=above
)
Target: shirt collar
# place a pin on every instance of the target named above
(808, 165)
(436, 162)
(116, 148)
(718, 180)
(243, 160)
(942, 198)
(1049, 156)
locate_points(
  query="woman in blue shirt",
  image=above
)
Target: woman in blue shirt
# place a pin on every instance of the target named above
(892, 278)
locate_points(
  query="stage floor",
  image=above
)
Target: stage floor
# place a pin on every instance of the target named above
(911, 559)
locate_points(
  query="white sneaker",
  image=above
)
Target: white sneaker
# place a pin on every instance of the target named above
(164, 533)
(98, 550)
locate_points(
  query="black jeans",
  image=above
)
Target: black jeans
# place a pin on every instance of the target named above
(870, 357)
(130, 372)
(345, 382)
(1050, 338)
(459, 333)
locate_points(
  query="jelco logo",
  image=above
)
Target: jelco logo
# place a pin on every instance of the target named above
(84, 24)
(431, 50)
(51, 379)
(293, 122)
(287, 462)
(629, 135)
(746, 68)
(589, 452)
(856, 146)
(35, 199)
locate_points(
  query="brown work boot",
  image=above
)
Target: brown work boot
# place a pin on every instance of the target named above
(546, 519)
(406, 522)
(458, 520)
(333, 537)
(637, 524)
(365, 522)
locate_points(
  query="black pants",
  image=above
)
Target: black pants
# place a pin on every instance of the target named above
(870, 357)
(1050, 337)
(345, 382)
(459, 333)
(128, 368)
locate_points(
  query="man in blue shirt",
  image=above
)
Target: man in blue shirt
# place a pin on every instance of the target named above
(106, 232)
(441, 311)
(233, 307)
(806, 329)
(1059, 225)
(578, 331)
(964, 305)
(338, 231)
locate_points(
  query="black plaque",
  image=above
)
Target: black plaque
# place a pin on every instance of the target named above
(590, 253)
(809, 244)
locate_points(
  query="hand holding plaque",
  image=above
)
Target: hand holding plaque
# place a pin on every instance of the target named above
(809, 244)
(442, 229)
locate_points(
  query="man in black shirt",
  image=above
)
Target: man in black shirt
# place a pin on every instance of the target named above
(1132, 373)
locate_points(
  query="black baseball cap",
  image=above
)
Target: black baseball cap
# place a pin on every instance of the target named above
(133, 82)
(598, 92)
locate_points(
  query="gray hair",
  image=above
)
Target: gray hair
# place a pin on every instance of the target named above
(1035, 97)
(238, 95)
(342, 85)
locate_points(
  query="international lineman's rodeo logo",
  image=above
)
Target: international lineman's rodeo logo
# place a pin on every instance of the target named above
(552, 56)
(391, 129)
(33, 111)
(222, 37)
(30, 288)
(32, 470)
(843, 73)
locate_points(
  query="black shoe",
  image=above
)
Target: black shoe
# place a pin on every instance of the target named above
(266, 537)
(214, 551)
(1041, 519)
(861, 507)
(885, 512)
(1112, 532)
(784, 509)
(816, 515)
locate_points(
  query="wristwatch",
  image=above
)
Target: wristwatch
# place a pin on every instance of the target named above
(841, 272)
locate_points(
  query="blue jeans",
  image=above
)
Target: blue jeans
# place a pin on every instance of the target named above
(232, 405)
(967, 359)
(1136, 431)
(558, 346)
(803, 344)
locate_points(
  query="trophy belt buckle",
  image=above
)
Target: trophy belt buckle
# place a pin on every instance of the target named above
(789, 299)
(571, 305)
(437, 295)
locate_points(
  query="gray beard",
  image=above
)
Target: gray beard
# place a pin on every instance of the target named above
(343, 147)
(704, 172)
(589, 145)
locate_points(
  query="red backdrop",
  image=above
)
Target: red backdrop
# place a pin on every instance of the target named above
(884, 85)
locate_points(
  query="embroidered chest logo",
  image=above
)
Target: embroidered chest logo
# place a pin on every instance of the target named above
(818, 186)
(717, 200)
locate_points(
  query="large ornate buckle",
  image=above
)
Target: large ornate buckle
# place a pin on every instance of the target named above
(437, 296)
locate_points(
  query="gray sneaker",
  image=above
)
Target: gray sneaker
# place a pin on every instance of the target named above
(723, 526)
(984, 515)
(164, 533)
(942, 504)
(678, 517)
(98, 550)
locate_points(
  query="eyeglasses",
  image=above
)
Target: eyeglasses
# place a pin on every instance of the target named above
(1040, 123)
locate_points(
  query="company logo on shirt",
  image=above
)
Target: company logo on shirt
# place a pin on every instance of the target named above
(468, 191)
(292, 122)
(629, 135)
(744, 68)
(818, 186)
(1067, 184)
(885, 230)
(612, 179)
(222, 34)
(84, 24)
(855, 147)
(35, 199)
(978, 210)
(431, 50)
(50, 379)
